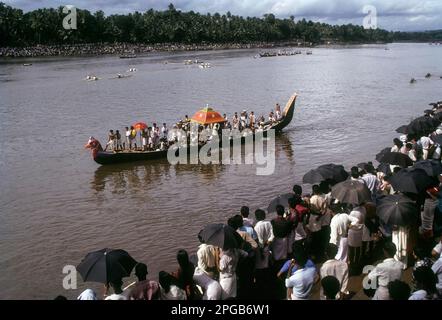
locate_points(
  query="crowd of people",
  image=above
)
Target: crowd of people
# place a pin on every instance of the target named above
(155, 138)
(118, 48)
(316, 240)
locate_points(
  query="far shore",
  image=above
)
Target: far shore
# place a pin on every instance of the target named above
(121, 49)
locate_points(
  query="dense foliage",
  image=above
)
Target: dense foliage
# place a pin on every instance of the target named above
(44, 26)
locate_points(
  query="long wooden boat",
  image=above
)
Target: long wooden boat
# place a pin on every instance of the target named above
(113, 157)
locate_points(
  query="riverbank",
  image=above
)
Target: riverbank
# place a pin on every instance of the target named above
(91, 49)
(96, 49)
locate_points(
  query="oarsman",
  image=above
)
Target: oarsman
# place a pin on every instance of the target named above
(118, 140)
(111, 140)
(252, 120)
(128, 142)
(164, 131)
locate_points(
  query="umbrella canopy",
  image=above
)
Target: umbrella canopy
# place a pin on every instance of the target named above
(282, 200)
(384, 168)
(106, 265)
(421, 124)
(140, 126)
(207, 116)
(433, 168)
(396, 209)
(381, 154)
(396, 158)
(325, 172)
(437, 139)
(220, 235)
(412, 180)
(351, 192)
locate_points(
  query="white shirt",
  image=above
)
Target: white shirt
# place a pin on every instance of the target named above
(116, 297)
(438, 248)
(302, 283)
(264, 231)
(387, 271)
(425, 142)
(337, 269)
(437, 269)
(339, 227)
(248, 222)
(371, 181)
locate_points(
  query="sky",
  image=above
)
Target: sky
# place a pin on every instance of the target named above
(403, 15)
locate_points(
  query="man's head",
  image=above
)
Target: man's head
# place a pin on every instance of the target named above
(316, 190)
(245, 211)
(116, 285)
(425, 279)
(399, 290)
(331, 251)
(331, 287)
(293, 202)
(300, 258)
(389, 249)
(280, 210)
(354, 172)
(183, 258)
(260, 215)
(141, 271)
(324, 187)
(297, 189)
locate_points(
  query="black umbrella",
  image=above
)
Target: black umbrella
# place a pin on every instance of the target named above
(325, 172)
(396, 209)
(220, 235)
(418, 125)
(384, 168)
(381, 154)
(412, 180)
(106, 265)
(433, 168)
(351, 192)
(437, 139)
(396, 158)
(282, 200)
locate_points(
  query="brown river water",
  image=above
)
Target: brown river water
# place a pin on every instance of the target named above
(57, 204)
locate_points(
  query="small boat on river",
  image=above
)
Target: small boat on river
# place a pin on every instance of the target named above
(103, 157)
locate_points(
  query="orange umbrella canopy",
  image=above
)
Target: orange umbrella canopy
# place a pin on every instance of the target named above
(207, 116)
(140, 126)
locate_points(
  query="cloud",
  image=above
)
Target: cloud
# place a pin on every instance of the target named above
(392, 14)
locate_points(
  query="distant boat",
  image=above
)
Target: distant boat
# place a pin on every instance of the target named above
(309, 52)
(205, 65)
(268, 54)
(27, 64)
(128, 56)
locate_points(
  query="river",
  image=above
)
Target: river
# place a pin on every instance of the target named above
(57, 204)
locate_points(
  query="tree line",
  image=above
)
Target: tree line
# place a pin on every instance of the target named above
(45, 26)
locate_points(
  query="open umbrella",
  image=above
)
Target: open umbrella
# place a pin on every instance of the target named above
(106, 265)
(207, 116)
(220, 235)
(433, 168)
(381, 153)
(384, 168)
(351, 192)
(140, 126)
(418, 125)
(396, 209)
(282, 200)
(325, 172)
(437, 139)
(396, 158)
(412, 180)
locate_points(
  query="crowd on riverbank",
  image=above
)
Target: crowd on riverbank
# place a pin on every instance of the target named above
(389, 217)
(91, 49)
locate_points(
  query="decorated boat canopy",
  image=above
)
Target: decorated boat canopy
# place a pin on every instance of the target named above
(207, 116)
